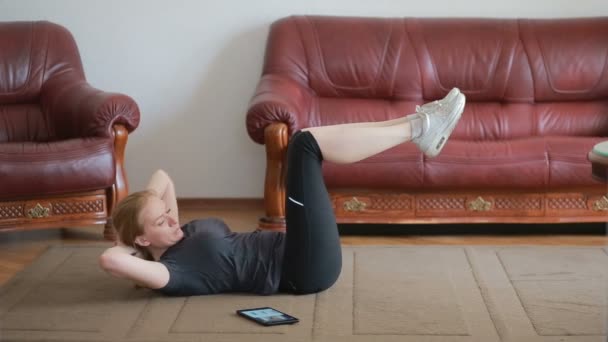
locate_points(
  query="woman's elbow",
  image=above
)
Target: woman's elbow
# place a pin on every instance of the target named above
(107, 262)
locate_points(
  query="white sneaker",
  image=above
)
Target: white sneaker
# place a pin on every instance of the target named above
(432, 106)
(438, 123)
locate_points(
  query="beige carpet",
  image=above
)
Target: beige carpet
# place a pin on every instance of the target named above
(417, 293)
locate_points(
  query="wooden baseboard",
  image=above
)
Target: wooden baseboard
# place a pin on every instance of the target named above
(220, 203)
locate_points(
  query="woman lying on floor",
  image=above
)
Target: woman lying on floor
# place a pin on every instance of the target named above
(205, 257)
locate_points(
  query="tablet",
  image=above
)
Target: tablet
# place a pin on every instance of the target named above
(267, 316)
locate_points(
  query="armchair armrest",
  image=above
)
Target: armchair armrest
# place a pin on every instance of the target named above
(278, 99)
(76, 109)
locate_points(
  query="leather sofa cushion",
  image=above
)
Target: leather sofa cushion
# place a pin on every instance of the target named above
(399, 167)
(526, 164)
(56, 167)
(568, 166)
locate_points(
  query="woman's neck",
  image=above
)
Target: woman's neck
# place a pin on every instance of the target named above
(157, 252)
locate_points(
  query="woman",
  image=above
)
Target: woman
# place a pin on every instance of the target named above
(205, 257)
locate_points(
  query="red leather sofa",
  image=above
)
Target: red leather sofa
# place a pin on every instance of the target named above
(62, 141)
(537, 102)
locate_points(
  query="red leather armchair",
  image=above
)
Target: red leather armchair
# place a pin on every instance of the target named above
(62, 141)
(537, 101)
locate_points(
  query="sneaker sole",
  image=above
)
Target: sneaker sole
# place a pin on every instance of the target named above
(438, 143)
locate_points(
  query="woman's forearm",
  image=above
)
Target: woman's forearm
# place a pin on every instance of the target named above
(159, 183)
(163, 186)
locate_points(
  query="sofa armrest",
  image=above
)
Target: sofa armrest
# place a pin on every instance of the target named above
(76, 109)
(278, 99)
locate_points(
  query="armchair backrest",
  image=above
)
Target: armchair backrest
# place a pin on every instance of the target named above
(522, 77)
(33, 55)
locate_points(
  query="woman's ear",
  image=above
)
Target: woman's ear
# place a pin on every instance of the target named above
(142, 241)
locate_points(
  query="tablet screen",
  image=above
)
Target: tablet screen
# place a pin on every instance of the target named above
(267, 315)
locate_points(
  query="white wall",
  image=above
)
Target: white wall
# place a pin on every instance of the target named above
(192, 67)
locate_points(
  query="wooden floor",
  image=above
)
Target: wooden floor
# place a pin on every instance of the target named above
(18, 249)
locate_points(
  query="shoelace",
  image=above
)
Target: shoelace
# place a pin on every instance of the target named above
(419, 109)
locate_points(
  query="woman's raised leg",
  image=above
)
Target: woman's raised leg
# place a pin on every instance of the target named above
(313, 258)
(348, 144)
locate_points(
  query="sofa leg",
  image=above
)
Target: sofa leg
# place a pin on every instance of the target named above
(121, 135)
(276, 137)
(272, 224)
(120, 189)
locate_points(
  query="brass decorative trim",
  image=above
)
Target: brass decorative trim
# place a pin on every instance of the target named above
(601, 204)
(354, 205)
(479, 204)
(38, 211)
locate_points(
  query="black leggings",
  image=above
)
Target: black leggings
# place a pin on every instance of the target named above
(313, 257)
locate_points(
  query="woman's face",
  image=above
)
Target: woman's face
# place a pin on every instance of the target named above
(160, 229)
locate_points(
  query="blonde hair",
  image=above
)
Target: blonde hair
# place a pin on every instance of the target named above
(125, 219)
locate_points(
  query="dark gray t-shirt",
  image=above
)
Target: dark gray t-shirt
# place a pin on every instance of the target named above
(212, 259)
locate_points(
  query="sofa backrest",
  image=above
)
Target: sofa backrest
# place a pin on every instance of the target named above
(32, 55)
(522, 77)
